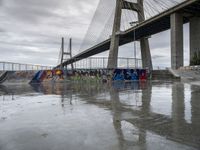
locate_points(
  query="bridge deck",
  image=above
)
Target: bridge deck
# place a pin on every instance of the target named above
(154, 25)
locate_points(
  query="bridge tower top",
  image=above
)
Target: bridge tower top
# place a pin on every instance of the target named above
(144, 43)
(65, 54)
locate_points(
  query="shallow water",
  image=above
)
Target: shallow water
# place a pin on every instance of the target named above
(89, 116)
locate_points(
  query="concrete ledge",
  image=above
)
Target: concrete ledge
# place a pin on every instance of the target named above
(190, 68)
(189, 72)
(164, 75)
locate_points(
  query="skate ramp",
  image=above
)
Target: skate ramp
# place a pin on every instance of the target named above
(16, 77)
(3, 76)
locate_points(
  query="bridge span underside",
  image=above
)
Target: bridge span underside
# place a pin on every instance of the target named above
(154, 25)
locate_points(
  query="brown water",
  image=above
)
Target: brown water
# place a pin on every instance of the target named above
(83, 116)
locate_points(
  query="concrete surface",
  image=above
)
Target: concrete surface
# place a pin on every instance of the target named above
(122, 116)
(18, 77)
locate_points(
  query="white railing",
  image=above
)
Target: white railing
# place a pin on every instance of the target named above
(10, 66)
(102, 62)
(190, 68)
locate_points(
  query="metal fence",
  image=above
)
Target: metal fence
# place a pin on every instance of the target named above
(10, 66)
(197, 68)
(88, 63)
(102, 62)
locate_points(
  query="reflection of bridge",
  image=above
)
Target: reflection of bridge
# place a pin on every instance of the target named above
(173, 18)
(174, 127)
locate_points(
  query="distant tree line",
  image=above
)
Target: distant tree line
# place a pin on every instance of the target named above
(196, 59)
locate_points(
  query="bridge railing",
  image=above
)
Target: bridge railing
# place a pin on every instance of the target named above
(10, 66)
(102, 62)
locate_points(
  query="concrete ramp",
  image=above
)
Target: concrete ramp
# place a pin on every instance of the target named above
(16, 77)
(3, 76)
(189, 74)
(184, 73)
(165, 75)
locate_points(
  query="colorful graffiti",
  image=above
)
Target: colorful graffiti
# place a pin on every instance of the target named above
(129, 74)
(3, 76)
(108, 75)
(48, 75)
(103, 75)
(89, 75)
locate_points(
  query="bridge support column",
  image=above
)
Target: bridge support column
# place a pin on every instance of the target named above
(195, 105)
(194, 37)
(178, 108)
(144, 42)
(176, 41)
(114, 45)
(145, 53)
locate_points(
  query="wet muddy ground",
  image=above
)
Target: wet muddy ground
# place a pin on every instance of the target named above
(90, 116)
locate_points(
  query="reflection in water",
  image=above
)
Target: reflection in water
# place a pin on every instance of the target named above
(195, 105)
(135, 126)
(178, 108)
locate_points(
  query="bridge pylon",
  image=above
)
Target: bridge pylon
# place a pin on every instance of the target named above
(114, 45)
(63, 53)
(194, 38)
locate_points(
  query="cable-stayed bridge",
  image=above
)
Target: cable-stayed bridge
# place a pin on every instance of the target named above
(150, 17)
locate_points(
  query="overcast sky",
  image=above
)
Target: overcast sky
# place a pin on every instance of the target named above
(31, 31)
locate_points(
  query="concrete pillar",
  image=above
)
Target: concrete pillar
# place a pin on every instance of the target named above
(176, 40)
(146, 98)
(144, 42)
(70, 52)
(194, 36)
(62, 53)
(195, 105)
(178, 108)
(116, 109)
(146, 54)
(145, 112)
(114, 45)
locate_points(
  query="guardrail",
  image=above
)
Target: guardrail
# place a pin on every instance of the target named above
(88, 63)
(190, 68)
(10, 66)
(102, 62)
(160, 68)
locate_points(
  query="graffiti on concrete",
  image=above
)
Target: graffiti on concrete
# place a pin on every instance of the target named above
(48, 75)
(129, 74)
(104, 75)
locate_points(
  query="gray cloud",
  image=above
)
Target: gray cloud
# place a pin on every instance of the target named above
(31, 11)
(31, 30)
(1, 30)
